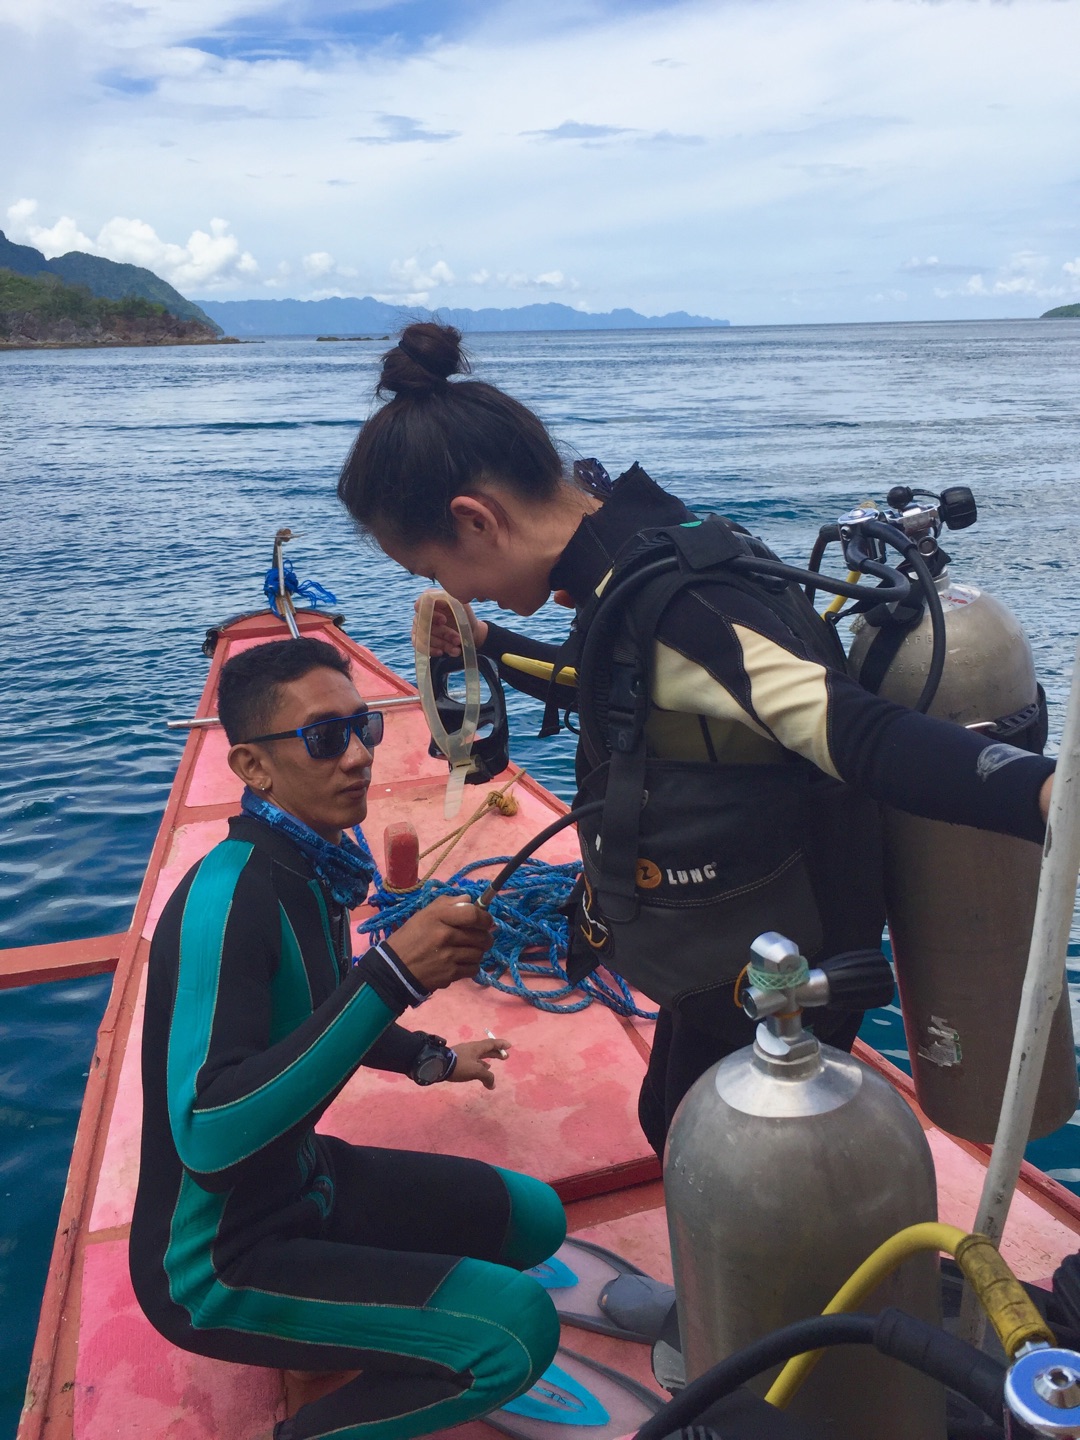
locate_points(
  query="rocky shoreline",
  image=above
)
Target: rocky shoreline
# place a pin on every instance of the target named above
(26, 330)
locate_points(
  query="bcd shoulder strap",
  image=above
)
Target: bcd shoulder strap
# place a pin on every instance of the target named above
(614, 658)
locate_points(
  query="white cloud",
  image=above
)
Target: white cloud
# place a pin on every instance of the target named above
(51, 240)
(519, 280)
(412, 283)
(320, 262)
(1027, 273)
(210, 258)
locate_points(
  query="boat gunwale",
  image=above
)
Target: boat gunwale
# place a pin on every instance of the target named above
(49, 1407)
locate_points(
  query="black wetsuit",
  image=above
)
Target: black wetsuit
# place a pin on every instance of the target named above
(733, 686)
(258, 1241)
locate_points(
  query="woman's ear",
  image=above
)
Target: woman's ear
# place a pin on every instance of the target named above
(248, 764)
(477, 517)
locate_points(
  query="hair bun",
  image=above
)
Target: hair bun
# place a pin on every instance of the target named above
(425, 356)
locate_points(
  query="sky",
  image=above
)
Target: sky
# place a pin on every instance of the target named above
(762, 161)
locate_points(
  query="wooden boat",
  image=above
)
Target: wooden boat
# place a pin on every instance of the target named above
(564, 1108)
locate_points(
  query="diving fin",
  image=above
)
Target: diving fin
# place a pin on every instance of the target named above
(596, 1289)
(586, 1400)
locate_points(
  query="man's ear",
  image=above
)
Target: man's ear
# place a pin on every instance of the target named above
(248, 763)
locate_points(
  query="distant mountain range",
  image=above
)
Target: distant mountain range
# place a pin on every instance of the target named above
(105, 279)
(351, 315)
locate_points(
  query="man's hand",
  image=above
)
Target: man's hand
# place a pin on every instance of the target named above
(445, 639)
(472, 1058)
(445, 941)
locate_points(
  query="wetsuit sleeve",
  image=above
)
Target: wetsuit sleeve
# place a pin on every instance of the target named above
(395, 1050)
(232, 1088)
(499, 642)
(722, 654)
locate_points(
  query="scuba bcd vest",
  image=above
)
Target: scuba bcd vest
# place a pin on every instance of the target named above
(690, 860)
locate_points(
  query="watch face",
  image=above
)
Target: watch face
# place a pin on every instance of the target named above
(432, 1069)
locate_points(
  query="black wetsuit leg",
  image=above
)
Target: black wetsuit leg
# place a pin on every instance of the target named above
(414, 1279)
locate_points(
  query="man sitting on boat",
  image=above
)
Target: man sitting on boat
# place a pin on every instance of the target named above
(254, 1239)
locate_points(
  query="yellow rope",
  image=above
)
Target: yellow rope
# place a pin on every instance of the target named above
(500, 800)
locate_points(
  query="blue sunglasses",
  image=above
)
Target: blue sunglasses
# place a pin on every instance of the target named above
(327, 739)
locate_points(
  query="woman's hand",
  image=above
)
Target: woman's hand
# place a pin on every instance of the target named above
(444, 942)
(1044, 797)
(472, 1058)
(445, 639)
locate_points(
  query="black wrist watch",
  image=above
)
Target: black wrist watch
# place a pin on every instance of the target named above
(435, 1061)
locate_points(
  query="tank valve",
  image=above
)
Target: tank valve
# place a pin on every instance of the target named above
(1042, 1392)
(782, 985)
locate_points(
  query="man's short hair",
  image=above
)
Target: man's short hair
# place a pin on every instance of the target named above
(249, 688)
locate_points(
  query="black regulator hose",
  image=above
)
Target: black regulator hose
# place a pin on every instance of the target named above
(894, 590)
(827, 535)
(519, 857)
(975, 1376)
(910, 550)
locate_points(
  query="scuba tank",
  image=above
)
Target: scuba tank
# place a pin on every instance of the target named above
(787, 1164)
(961, 902)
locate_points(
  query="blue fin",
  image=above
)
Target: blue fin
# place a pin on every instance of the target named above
(553, 1274)
(560, 1400)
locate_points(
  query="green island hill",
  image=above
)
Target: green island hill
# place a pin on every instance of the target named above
(107, 279)
(42, 312)
(1062, 312)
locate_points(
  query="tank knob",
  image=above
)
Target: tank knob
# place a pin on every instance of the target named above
(1042, 1391)
(957, 507)
(859, 980)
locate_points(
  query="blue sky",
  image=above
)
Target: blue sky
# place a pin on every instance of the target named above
(765, 161)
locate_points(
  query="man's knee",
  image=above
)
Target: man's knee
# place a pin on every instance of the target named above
(505, 1323)
(537, 1225)
(536, 1326)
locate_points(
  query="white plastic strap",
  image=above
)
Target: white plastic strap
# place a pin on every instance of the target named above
(456, 747)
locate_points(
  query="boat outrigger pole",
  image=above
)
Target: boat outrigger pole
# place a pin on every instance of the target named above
(285, 605)
(1042, 988)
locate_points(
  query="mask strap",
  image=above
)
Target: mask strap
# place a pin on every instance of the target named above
(457, 747)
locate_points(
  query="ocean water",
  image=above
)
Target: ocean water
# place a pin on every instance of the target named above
(140, 493)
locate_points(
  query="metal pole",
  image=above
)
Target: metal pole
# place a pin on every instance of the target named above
(285, 605)
(391, 702)
(1042, 983)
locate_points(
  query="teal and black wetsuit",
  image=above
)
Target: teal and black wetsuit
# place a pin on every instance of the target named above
(258, 1241)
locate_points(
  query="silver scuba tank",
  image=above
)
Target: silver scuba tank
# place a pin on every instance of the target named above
(960, 901)
(787, 1165)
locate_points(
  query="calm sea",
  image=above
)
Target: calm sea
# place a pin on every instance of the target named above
(141, 491)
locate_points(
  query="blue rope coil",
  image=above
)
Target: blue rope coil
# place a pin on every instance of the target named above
(309, 590)
(530, 933)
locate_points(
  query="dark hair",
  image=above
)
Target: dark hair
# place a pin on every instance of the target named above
(436, 439)
(249, 687)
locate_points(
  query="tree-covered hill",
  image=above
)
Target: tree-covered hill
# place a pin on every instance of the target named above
(41, 310)
(107, 279)
(1062, 312)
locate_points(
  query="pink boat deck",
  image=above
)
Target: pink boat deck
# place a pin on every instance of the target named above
(564, 1109)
